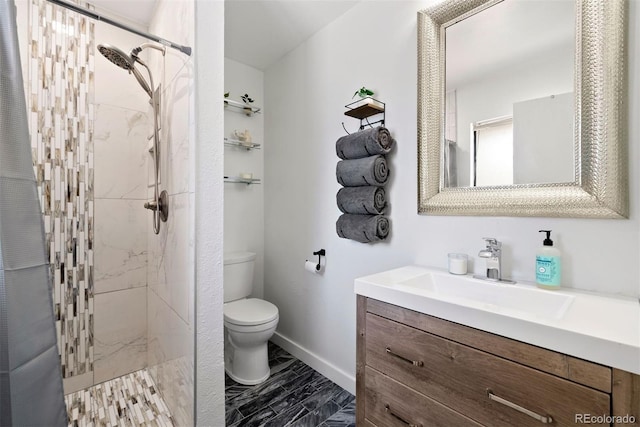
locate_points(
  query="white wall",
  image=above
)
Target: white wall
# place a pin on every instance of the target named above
(304, 97)
(208, 166)
(244, 204)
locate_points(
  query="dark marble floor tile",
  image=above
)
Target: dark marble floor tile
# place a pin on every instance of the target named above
(328, 391)
(232, 416)
(282, 378)
(280, 364)
(301, 368)
(260, 401)
(307, 377)
(317, 416)
(251, 394)
(282, 358)
(295, 394)
(287, 417)
(275, 351)
(292, 398)
(257, 419)
(319, 380)
(343, 398)
(231, 391)
(345, 417)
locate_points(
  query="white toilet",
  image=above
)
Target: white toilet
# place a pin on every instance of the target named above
(248, 322)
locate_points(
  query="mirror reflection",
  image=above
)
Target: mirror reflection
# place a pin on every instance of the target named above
(509, 101)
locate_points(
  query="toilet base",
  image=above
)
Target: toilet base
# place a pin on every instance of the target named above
(246, 364)
(244, 381)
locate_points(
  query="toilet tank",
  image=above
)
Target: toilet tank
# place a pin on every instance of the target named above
(238, 275)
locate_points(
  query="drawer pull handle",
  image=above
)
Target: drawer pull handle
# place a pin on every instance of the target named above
(413, 362)
(387, 408)
(545, 419)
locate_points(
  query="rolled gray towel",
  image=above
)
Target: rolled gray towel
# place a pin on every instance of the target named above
(366, 171)
(365, 143)
(362, 228)
(361, 200)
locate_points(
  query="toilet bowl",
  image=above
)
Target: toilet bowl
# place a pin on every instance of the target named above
(248, 322)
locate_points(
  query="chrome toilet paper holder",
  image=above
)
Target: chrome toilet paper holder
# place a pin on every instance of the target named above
(320, 254)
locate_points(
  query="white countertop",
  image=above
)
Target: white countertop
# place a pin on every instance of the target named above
(600, 328)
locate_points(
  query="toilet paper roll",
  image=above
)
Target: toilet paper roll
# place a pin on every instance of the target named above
(311, 267)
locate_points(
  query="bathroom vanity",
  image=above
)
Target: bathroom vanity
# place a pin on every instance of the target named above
(431, 354)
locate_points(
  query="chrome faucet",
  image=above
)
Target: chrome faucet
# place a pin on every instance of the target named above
(493, 254)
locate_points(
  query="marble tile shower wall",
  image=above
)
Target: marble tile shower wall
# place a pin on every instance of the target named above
(170, 291)
(120, 274)
(120, 241)
(60, 97)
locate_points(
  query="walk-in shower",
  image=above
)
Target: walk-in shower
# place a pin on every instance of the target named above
(160, 203)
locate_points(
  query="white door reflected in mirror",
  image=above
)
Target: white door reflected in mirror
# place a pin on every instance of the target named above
(492, 152)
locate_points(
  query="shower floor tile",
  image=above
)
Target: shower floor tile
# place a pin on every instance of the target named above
(130, 400)
(294, 395)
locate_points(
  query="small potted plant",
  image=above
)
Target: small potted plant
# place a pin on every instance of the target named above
(365, 97)
(248, 101)
(363, 92)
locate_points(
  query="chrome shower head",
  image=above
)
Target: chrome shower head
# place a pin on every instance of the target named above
(116, 56)
(126, 62)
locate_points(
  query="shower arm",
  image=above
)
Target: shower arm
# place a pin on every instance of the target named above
(143, 46)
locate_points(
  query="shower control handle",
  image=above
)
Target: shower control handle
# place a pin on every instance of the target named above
(162, 206)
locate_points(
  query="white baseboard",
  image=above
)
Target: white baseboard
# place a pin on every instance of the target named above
(335, 374)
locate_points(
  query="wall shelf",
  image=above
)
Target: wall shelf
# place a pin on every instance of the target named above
(238, 180)
(363, 111)
(241, 107)
(242, 144)
(364, 108)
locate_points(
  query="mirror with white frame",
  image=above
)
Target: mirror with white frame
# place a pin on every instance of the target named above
(519, 108)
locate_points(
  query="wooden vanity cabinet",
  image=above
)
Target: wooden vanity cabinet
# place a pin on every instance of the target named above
(418, 370)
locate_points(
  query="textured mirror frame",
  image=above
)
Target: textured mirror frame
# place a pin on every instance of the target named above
(600, 189)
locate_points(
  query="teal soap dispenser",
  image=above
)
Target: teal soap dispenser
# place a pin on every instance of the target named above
(548, 264)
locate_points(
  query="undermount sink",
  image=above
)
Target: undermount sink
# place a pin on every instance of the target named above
(491, 296)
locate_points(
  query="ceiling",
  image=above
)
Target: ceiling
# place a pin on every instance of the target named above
(257, 32)
(137, 11)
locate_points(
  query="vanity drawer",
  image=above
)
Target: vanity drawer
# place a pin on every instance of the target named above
(389, 403)
(491, 390)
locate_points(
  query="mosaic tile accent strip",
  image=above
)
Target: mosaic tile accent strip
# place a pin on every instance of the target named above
(130, 400)
(60, 97)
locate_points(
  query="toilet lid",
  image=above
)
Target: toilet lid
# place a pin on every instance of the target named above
(250, 311)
